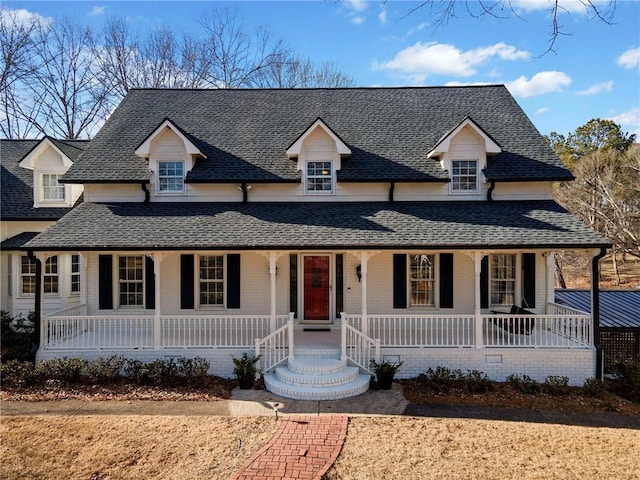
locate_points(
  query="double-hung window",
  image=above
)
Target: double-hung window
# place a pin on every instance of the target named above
(131, 281)
(464, 176)
(50, 280)
(503, 279)
(52, 189)
(170, 177)
(27, 276)
(422, 281)
(319, 177)
(211, 280)
(75, 273)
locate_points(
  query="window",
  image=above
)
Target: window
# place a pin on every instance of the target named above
(170, 177)
(319, 177)
(27, 276)
(131, 281)
(422, 279)
(52, 190)
(75, 273)
(464, 176)
(211, 280)
(50, 280)
(503, 279)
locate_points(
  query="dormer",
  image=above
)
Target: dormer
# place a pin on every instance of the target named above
(49, 162)
(463, 152)
(318, 151)
(171, 154)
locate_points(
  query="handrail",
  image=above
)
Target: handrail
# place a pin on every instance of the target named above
(357, 347)
(276, 347)
(74, 311)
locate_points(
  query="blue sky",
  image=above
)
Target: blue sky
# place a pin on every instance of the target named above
(594, 72)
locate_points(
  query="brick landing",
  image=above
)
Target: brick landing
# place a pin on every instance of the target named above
(304, 447)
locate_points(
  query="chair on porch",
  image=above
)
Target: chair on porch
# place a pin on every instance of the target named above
(516, 325)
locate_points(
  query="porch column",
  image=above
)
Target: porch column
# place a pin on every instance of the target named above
(364, 259)
(477, 261)
(273, 258)
(595, 308)
(551, 280)
(84, 290)
(157, 318)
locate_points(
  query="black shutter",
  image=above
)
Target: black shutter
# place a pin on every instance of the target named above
(187, 282)
(339, 284)
(529, 280)
(149, 284)
(293, 283)
(399, 280)
(105, 282)
(446, 280)
(484, 283)
(233, 280)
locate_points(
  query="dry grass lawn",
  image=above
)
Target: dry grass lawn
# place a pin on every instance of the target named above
(380, 448)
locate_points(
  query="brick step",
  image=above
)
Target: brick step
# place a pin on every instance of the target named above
(317, 392)
(340, 377)
(316, 365)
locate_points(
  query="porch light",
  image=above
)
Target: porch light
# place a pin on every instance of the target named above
(359, 272)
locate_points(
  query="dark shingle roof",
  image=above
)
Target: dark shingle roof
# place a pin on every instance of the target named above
(16, 242)
(347, 225)
(244, 133)
(618, 308)
(17, 182)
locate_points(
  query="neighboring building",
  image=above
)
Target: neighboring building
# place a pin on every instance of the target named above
(212, 218)
(32, 200)
(619, 321)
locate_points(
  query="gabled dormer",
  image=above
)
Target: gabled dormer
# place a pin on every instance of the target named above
(49, 160)
(463, 152)
(318, 151)
(171, 154)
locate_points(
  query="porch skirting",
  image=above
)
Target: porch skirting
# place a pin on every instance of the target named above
(497, 363)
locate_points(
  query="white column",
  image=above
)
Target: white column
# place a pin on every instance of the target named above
(84, 288)
(551, 279)
(343, 336)
(477, 260)
(157, 319)
(273, 258)
(364, 259)
(290, 335)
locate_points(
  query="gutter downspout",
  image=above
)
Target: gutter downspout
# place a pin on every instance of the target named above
(392, 187)
(37, 328)
(245, 192)
(595, 308)
(143, 185)
(490, 191)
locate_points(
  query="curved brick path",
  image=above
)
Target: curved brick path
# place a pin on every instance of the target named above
(303, 448)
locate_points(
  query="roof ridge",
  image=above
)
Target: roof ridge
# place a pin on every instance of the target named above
(403, 87)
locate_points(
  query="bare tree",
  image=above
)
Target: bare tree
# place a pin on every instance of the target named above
(296, 72)
(443, 11)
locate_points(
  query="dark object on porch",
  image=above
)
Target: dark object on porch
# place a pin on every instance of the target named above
(516, 325)
(245, 369)
(311, 329)
(385, 371)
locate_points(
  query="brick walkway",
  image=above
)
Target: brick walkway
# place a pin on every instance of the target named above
(304, 447)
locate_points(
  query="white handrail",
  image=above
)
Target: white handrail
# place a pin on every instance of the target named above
(357, 347)
(276, 347)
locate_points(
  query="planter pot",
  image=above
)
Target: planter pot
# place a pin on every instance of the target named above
(384, 380)
(245, 382)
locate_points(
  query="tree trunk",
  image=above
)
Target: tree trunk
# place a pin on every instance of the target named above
(559, 274)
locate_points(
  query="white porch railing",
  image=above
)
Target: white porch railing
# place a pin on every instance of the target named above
(557, 309)
(276, 347)
(423, 330)
(217, 330)
(75, 311)
(357, 347)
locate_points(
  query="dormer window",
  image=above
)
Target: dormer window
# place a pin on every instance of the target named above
(464, 176)
(170, 177)
(52, 189)
(319, 177)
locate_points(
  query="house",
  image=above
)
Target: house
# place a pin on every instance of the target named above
(321, 228)
(32, 200)
(619, 323)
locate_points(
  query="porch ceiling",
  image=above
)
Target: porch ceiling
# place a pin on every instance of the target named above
(318, 225)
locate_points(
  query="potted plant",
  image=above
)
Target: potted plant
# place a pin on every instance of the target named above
(245, 369)
(385, 372)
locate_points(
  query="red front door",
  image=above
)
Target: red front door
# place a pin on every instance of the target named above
(316, 287)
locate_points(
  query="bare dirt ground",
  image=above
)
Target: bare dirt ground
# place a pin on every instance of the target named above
(577, 268)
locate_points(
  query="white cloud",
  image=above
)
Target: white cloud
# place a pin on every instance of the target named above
(95, 11)
(356, 5)
(382, 16)
(543, 82)
(423, 59)
(357, 20)
(417, 29)
(542, 110)
(629, 119)
(24, 18)
(467, 84)
(564, 6)
(597, 88)
(630, 59)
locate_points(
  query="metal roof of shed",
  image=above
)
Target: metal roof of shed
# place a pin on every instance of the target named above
(618, 308)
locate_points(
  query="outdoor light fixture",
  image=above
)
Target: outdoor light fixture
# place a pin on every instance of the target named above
(359, 272)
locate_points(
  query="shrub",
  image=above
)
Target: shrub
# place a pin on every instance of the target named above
(17, 373)
(524, 384)
(193, 370)
(105, 370)
(442, 379)
(476, 381)
(594, 387)
(137, 371)
(163, 372)
(16, 337)
(65, 369)
(556, 385)
(628, 372)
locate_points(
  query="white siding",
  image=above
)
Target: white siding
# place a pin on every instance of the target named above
(102, 192)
